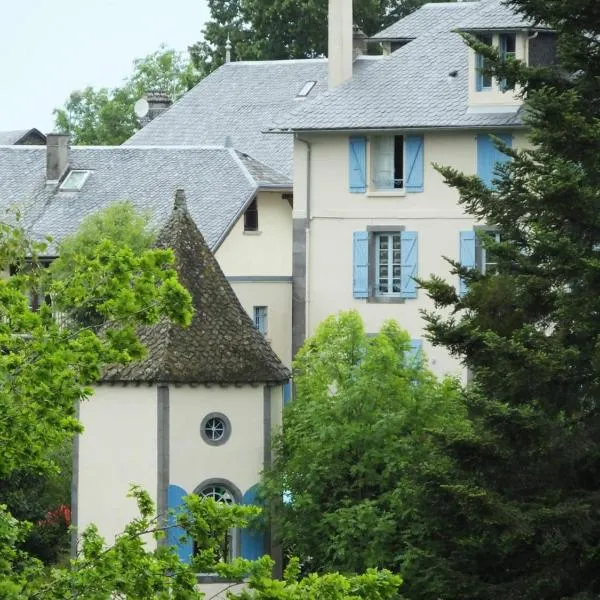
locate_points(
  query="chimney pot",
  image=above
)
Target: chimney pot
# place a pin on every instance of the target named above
(57, 155)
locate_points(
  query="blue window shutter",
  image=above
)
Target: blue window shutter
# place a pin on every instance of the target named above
(176, 536)
(409, 256)
(416, 349)
(360, 280)
(467, 255)
(488, 156)
(253, 544)
(358, 164)
(287, 393)
(414, 163)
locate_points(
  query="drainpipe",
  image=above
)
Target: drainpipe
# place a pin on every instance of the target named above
(307, 231)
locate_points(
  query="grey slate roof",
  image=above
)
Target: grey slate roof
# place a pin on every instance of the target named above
(236, 104)
(218, 184)
(495, 14)
(411, 88)
(221, 346)
(8, 138)
(431, 17)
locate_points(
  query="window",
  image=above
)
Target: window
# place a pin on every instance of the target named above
(396, 163)
(385, 264)
(251, 217)
(306, 89)
(483, 80)
(387, 162)
(508, 50)
(74, 181)
(489, 157)
(389, 265)
(485, 259)
(260, 319)
(220, 492)
(215, 429)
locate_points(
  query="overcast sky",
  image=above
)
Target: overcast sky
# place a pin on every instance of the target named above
(48, 48)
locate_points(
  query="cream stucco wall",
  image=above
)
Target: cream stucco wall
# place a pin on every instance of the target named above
(335, 214)
(117, 448)
(267, 251)
(240, 459)
(277, 297)
(259, 268)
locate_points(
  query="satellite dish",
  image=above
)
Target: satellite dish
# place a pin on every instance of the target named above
(141, 108)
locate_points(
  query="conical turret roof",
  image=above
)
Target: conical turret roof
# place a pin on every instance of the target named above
(221, 346)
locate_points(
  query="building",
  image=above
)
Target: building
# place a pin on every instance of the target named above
(22, 137)
(195, 415)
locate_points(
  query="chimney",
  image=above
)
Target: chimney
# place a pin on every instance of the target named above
(57, 155)
(359, 42)
(158, 102)
(340, 53)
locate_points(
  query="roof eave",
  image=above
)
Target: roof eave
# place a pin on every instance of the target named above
(397, 128)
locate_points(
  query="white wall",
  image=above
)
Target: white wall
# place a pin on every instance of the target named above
(117, 448)
(267, 251)
(240, 459)
(335, 214)
(260, 265)
(277, 297)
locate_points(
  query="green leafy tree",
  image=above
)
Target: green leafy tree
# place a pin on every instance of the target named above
(101, 116)
(123, 227)
(349, 444)
(516, 514)
(282, 29)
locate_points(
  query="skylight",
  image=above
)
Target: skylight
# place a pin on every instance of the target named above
(74, 181)
(306, 89)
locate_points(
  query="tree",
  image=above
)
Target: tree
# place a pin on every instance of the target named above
(120, 224)
(350, 441)
(280, 29)
(105, 117)
(515, 514)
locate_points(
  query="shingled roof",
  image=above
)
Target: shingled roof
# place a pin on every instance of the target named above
(424, 84)
(220, 183)
(22, 136)
(221, 346)
(431, 17)
(235, 104)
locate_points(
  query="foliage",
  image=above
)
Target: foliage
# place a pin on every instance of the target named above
(101, 116)
(45, 369)
(350, 441)
(42, 498)
(515, 515)
(123, 227)
(282, 29)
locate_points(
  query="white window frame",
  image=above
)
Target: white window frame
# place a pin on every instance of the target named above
(260, 315)
(390, 264)
(481, 256)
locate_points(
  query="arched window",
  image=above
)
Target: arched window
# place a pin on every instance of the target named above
(221, 490)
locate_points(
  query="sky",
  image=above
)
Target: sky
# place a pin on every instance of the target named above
(48, 48)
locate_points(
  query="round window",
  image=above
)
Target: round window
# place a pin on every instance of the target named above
(215, 429)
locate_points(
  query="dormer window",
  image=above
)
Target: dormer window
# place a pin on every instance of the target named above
(74, 181)
(306, 89)
(483, 80)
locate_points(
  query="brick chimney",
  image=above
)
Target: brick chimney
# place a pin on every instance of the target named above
(340, 51)
(57, 155)
(158, 102)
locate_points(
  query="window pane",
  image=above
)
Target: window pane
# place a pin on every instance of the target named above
(382, 162)
(389, 268)
(251, 217)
